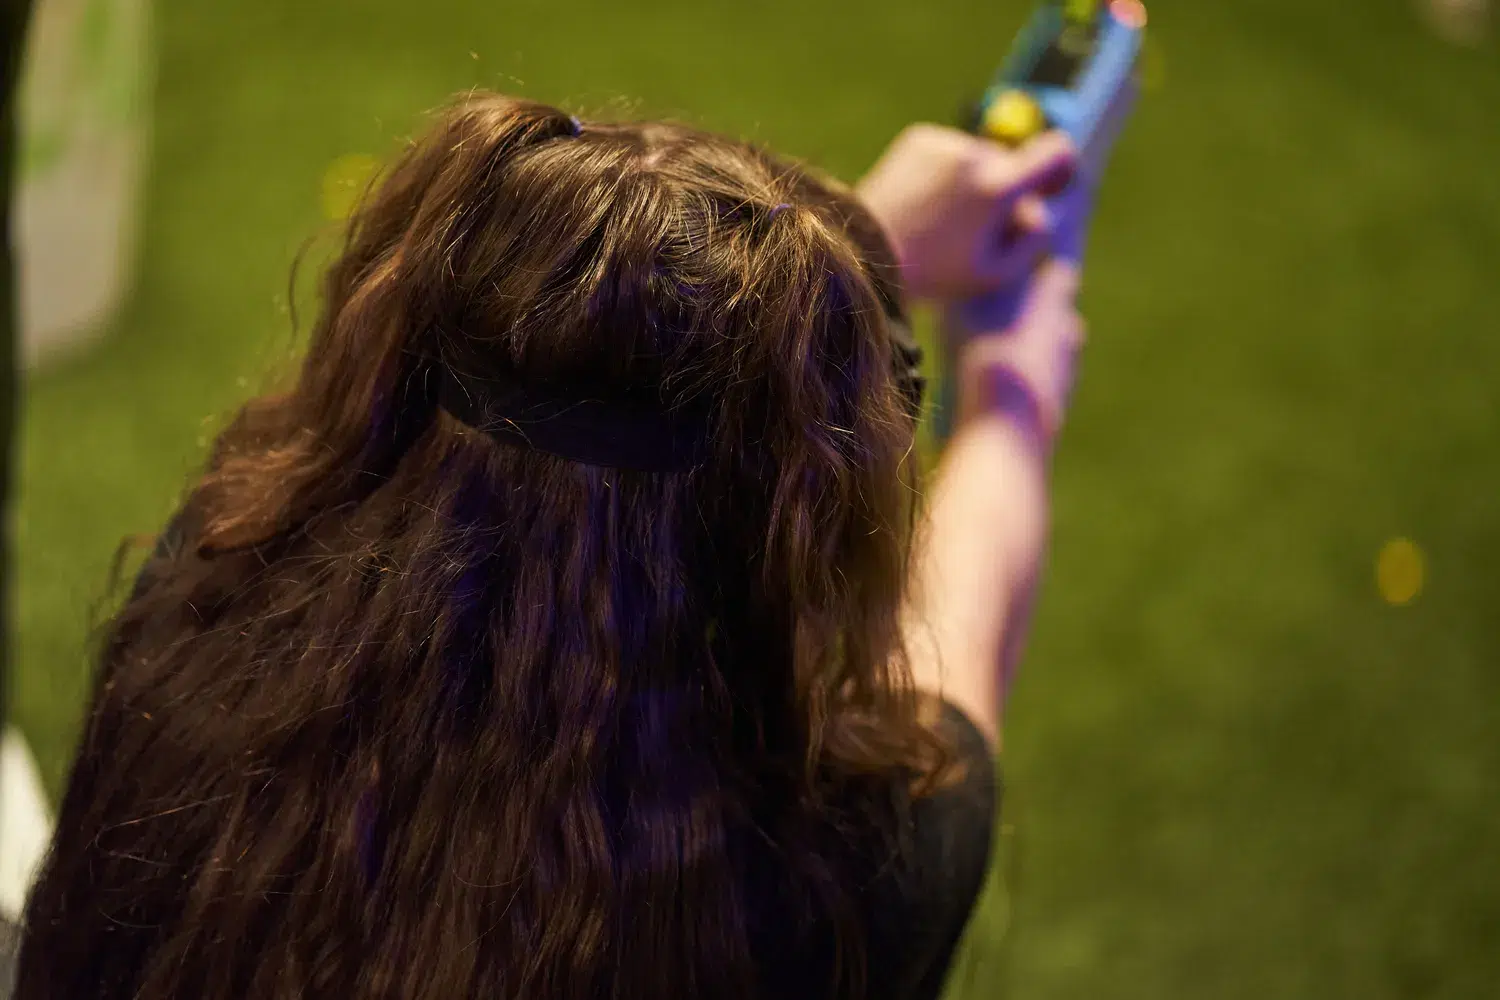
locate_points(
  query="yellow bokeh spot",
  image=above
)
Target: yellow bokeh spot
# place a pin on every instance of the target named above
(1400, 571)
(344, 182)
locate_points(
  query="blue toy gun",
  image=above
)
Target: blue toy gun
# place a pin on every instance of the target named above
(1073, 68)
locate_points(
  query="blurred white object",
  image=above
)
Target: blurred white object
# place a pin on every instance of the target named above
(25, 823)
(83, 114)
(1463, 22)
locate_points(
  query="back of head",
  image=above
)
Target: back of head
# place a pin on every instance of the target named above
(418, 711)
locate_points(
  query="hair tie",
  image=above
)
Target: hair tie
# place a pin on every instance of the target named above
(778, 210)
(623, 433)
(577, 125)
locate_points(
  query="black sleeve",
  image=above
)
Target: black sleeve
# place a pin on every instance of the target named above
(915, 939)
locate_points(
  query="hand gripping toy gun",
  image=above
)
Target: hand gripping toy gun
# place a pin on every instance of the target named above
(1073, 68)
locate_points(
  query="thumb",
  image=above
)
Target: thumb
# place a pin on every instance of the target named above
(1053, 290)
(1052, 332)
(1043, 165)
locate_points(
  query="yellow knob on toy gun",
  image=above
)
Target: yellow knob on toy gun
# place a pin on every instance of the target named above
(1012, 118)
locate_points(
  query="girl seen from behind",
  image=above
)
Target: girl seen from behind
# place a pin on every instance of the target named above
(576, 624)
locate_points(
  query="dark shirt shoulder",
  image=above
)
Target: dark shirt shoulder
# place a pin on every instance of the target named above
(921, 910)
(914, 891)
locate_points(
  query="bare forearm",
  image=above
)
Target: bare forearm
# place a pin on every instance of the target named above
(983, 539)
(967, 221)
(987, 525)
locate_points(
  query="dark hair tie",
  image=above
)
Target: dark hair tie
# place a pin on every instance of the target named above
(778, 210)
(636, 432)
(576, 124)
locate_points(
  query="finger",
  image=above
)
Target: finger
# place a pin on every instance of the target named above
(1053, 290)
(1031, 215)
(1014, 257)
(1043, 165)
(1024, 236)
(1057, 281)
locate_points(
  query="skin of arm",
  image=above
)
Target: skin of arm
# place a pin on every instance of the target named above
(976, 562)
(967, 221)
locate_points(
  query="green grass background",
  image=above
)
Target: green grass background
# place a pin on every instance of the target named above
(1235, 772)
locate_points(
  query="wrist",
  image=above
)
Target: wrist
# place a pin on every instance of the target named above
(995, 390)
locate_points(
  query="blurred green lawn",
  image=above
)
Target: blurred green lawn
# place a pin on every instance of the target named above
(1235, 772)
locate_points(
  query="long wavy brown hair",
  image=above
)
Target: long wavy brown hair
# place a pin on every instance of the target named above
(411, 712)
